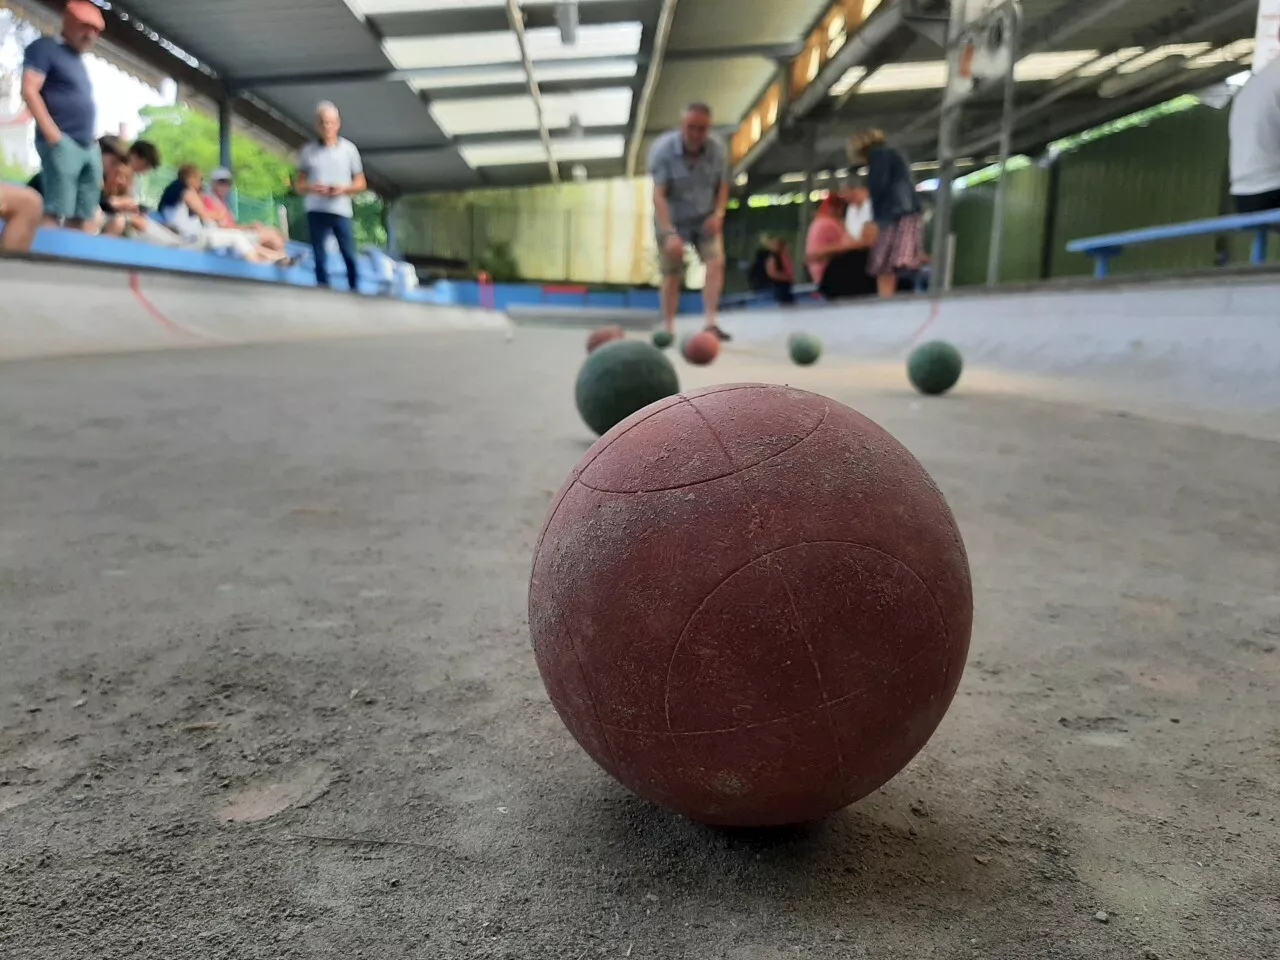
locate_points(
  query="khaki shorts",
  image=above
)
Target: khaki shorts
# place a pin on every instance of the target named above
(709, 250)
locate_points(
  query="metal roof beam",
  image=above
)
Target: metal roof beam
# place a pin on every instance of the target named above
(640, 115)
(126, 35)
(859, 49)
(1073, 82)
(517, 27)
(766, 51)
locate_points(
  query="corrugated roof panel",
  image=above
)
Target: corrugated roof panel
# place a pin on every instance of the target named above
(729, 87)
(375, 113)
(706, 24)
(253, 37)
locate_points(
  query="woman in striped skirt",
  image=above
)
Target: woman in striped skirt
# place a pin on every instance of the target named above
(899, 245)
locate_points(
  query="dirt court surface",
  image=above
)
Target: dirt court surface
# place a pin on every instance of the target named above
(267, 689)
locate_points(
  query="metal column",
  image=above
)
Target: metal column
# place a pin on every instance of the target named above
(224, 130)
(1008, 117)
(810, 160)
(948, 127)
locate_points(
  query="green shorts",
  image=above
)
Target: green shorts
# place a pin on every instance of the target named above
(709, 249)
(72, 178)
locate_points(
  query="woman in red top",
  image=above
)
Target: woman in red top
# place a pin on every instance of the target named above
(837, 261)
(215, 202)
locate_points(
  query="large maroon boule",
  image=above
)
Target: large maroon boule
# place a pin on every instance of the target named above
(750, 604)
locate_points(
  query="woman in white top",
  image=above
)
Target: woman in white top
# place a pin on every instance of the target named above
(183, 209)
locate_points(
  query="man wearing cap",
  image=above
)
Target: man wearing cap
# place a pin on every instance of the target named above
(329, 174)
(215, 201)
(57, 90)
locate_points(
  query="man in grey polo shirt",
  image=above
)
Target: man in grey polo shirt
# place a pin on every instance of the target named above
(330, 172)
(690, 171)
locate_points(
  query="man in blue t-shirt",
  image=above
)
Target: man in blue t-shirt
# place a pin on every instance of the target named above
(57, 91)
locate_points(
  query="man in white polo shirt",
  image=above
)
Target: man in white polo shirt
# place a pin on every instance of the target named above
(329, 174)
(1255, 142)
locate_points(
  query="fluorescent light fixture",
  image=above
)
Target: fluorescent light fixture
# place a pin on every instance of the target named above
(601, 40)
(550, 72)
(589, 148)
(459, 50)
(593, 108)
(1228, 54)
(504, 154)
(932, 74)
(1157, 54)
(379, 8)
(531, 151)
(496, 77)
(485, 114)
(847, 80)
(500, 47)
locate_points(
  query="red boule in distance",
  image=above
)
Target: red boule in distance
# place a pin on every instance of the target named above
(602, 335)
(701, 348)
(750, 604)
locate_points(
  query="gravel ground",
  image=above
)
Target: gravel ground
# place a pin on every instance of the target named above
(267, 689)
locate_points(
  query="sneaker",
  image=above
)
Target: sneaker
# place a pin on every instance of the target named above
(720, 334)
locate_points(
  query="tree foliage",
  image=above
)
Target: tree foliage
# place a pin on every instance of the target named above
(184, 135)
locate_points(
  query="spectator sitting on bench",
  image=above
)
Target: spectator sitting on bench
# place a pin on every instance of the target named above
(182, 208)
(114, 206)
(771, 270)
(20, 212)
(215, 201)
(837, 260)
(120, 167)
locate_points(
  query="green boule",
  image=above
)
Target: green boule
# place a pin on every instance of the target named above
(620, 378)
(804, 349)
(933, 368)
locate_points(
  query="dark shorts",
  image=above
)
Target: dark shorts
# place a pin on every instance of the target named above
(1257, 202)
(846, 277)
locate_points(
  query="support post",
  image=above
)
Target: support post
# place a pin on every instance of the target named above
(948, 127)
(1008, 117)
(224, 129)
(810, 159)
(1259, 252)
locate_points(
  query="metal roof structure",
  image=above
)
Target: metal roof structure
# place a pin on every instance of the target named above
(1083, 62)
(456, 94)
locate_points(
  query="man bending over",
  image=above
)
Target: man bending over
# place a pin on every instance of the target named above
(690, 171)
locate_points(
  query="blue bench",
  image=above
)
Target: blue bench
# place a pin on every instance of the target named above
(1103, 248)
(748, 297)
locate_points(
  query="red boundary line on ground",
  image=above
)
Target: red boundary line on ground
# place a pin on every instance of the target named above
(933, 315)
(135, 285)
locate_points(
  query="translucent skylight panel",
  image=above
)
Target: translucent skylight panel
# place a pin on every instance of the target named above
(545, 73)
(565, 150)
(485, 115)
